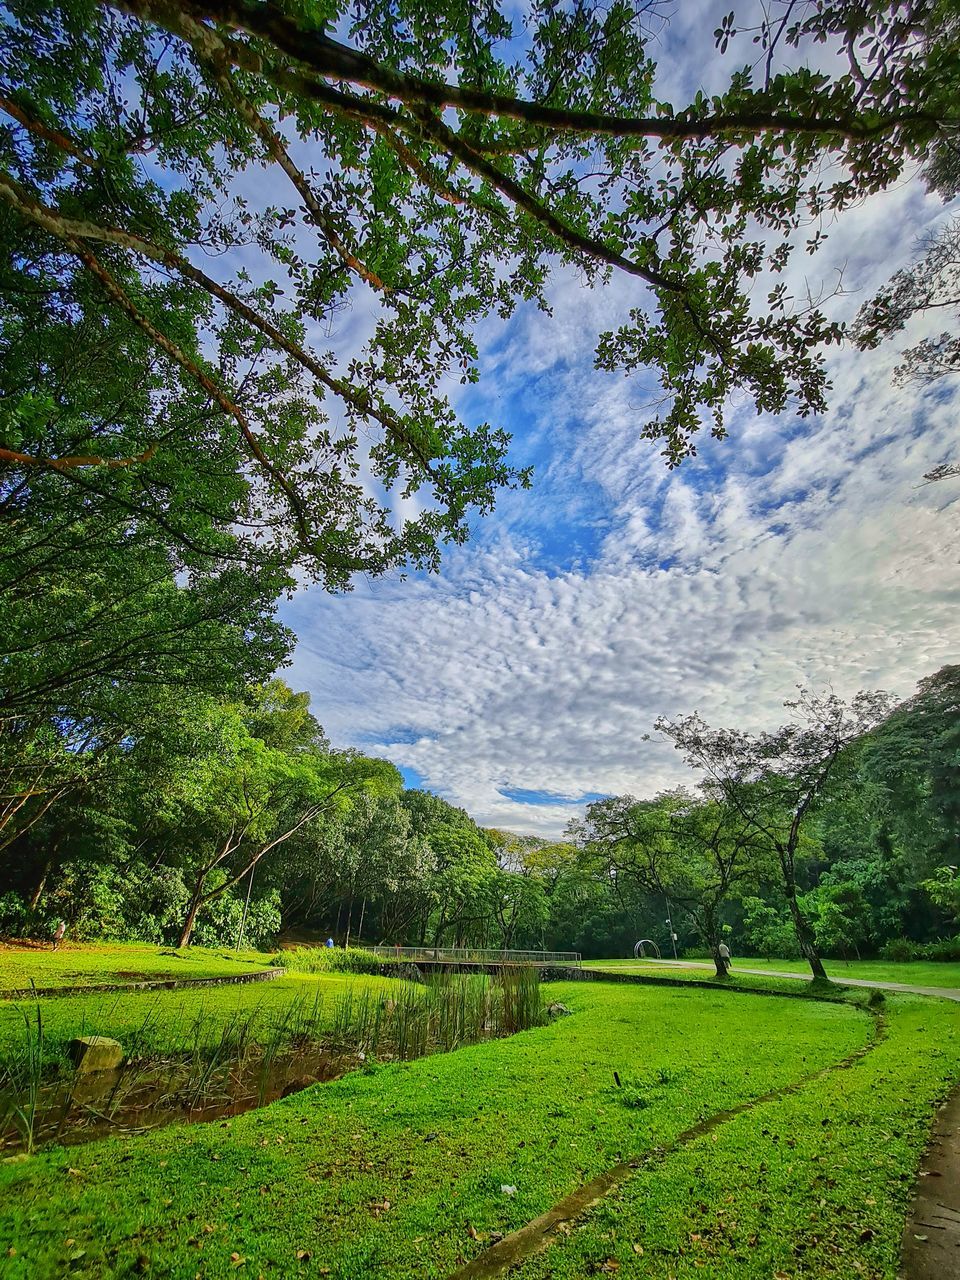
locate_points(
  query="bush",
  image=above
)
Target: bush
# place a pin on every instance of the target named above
(218, 923)
(945, 949)
(899, 949)
(14, 915)
(330, 960)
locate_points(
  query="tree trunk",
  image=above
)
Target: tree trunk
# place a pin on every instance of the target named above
(363, 911)
(191, 919)
(41, 885)
(349, 922)
(806, 938)
(714, 938)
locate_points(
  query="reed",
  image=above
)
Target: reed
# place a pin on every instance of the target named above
(448, 1011)
(21, 1077)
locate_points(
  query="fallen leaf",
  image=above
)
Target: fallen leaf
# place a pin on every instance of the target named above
(507, 1190)
(921, 1237)
(638, 1250)
(237, 1261)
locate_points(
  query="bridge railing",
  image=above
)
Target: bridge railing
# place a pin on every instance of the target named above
(479, 955)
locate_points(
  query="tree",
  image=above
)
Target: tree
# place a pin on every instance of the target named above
(932, 283)
(243, 780)
(520, 907)
(773, 781)
(912, 762)
(694, 854)
(443, 200)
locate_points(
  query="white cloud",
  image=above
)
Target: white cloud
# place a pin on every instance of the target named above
(790, 553)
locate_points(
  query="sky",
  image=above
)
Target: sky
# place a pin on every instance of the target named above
(524, 680)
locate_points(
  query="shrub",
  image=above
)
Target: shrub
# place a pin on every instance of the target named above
(946, 949)
(218, 923)
(14, 915)
(331, 960)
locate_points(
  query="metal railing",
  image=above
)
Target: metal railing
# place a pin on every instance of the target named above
(478, 955)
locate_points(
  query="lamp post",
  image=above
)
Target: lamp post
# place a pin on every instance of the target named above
(669, 923)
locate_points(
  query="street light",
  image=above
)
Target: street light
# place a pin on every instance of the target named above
(669, 924)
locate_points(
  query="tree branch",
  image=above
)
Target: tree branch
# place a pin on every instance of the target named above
(335, 61)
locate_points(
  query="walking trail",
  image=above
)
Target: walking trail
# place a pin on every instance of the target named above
(945, 993)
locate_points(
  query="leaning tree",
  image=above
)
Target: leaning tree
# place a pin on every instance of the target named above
(773, 780)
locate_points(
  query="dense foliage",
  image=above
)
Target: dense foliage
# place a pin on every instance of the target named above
(190, 196)
(241, 817)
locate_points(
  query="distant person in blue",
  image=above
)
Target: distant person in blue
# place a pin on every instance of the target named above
(329, 942)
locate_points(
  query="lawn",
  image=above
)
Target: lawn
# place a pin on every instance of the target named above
(86, 964)
(920, 973)
(407, 1169)
(814, 1184)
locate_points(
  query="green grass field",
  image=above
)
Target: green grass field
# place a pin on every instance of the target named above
(83, 964)
(400, 1170)
(918, 973)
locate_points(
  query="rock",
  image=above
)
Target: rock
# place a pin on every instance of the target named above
(95, 1053)
(557, 1010)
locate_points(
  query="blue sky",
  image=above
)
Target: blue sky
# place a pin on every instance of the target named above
(524, 680)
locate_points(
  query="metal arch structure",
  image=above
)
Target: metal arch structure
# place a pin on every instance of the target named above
(640, 954)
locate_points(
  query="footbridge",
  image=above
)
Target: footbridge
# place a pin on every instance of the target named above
(479, 957)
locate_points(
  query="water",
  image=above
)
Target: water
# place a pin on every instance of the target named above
(138, 1097)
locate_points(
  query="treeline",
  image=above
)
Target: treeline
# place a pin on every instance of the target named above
(834, 835)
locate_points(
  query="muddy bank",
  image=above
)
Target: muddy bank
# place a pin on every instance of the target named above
(140, 1096)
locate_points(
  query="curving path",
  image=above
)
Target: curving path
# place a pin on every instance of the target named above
(931, 1235)
(944, 993)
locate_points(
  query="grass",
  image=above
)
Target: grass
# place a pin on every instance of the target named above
(919, 973)
(737, 980)
(813, 1184)
(86, 964)
(404, 1170)
(164, 1023)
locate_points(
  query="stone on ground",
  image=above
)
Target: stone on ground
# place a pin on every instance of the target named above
(95, 1053)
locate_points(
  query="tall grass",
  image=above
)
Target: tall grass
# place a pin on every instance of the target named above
(220, 1062)
(329, 960)
(21, 1079)
(448, 1011)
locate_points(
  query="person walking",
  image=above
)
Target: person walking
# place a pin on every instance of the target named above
(724, 952)
(61, 929)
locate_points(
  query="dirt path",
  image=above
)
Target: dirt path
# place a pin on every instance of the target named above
(944, 993)
(541, 1232)
(931, 1235)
